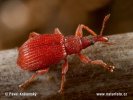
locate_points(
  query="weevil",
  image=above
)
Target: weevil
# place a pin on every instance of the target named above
(41, 51)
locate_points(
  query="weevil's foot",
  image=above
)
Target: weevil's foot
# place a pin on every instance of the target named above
(61, 91)
(100, 62)
(25, 85)
(22, 86)
(110, 68)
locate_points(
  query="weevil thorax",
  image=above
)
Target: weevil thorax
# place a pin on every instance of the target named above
(72, 44)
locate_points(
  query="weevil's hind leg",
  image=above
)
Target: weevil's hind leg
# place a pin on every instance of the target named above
(79, 30)
(64, 71)
(39, 72)
(86, 59)
(33, 34)
(57, 31)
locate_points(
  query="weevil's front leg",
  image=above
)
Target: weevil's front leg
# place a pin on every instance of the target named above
(103, 64)
(79, 31)
(85, 59)
(39, 72)
(64, 71)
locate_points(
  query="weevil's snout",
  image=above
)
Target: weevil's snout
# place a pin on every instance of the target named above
(102, 39)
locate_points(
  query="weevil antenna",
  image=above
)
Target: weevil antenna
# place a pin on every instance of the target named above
(103, 25)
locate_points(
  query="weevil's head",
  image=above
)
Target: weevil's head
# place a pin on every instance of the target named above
(101, 38)
(87, 41)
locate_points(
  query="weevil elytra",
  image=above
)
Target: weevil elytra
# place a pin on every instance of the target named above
(40, 51)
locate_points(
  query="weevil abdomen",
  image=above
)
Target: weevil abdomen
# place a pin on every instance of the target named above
(41, 51)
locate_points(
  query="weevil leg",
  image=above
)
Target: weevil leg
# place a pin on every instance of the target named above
(64, 71)
(57, 31)
(103, 64)
(86, 59)
(33, 34)
(79, 31)
(39, 72)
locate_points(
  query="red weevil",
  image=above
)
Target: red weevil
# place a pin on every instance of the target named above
(40, 51)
